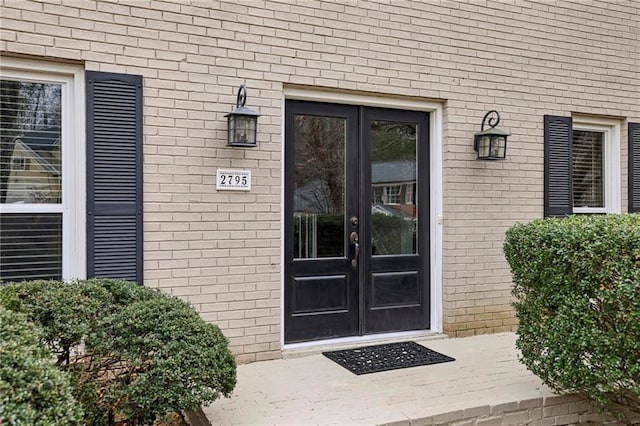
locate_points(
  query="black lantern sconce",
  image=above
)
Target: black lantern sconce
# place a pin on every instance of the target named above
(491, 144)
(242, 123)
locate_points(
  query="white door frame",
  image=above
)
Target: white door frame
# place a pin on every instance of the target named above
(435, 110)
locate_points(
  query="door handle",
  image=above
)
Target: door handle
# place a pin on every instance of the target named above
(356, 252)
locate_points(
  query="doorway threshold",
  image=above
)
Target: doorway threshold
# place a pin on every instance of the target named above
(295, 350)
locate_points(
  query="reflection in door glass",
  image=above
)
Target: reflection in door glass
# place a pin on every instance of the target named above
(31, 143)
(393, 188)
(319, 197)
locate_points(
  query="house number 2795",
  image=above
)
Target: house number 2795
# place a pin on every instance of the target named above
(233, 180)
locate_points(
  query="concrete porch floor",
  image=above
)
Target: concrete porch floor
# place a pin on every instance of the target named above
(485, 385)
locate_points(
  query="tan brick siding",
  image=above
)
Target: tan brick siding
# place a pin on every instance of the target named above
(221, 250)
(548, 411)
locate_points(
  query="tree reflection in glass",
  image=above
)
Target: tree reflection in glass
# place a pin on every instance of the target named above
(319, 197)
(393, 188)
(30, 145)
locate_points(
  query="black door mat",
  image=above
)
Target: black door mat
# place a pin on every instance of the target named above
(390, 356)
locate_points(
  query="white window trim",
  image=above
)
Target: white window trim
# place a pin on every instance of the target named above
(18, 163)
(408, 194)
(392, 193)
(611, 162)
(73, 205)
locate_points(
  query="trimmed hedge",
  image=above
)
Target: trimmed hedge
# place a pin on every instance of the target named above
(134, 354)
(32, 390)
(577, 289)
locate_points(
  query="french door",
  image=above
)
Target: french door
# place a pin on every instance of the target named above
(356, 221)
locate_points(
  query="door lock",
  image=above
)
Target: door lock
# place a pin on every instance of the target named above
(356, 248)
(354, 221)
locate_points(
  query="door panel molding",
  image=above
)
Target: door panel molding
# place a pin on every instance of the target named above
(410, 286)
(320, 288)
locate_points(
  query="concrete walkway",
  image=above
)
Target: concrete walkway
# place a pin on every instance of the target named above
(486, 382)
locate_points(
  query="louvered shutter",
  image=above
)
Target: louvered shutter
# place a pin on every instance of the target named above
(558, 166)
(114, 176)
(634, 167)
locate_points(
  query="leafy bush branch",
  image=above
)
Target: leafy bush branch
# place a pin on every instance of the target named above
(32, 390)
(133, 354)
(577, 289)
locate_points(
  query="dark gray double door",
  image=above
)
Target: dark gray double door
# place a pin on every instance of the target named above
(356, 221)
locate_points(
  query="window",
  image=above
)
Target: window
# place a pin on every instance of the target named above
(408, 197)
(41, 183)
(588, 169)
(73, 207)
(19, 163)
(391, 194)
(582, 165)
(596, 166)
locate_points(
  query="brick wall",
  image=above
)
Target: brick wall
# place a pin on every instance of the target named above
(220, 250)
(547, 411)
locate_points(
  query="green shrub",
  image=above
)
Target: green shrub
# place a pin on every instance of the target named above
(577, 289)
(66, 313)
(168, 359)
(32, 390)
(134, 354)
(392, 234)
(329, 239)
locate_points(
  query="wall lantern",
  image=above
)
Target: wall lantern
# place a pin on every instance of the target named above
(242, 123)
(491, 144)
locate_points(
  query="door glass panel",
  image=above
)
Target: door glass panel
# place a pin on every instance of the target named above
(319, 187)
(393, 188)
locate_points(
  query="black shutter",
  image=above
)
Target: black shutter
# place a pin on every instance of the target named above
(558, 166)
(634, 167)
(114, 176)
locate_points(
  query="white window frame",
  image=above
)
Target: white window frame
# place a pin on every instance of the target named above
(73, 206)
(611, 162)
(18, 163)
(392, 195)
(408, 194)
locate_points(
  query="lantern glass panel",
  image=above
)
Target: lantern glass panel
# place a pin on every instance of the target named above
(484, 144)
(242, 130)
(231, 125)
(498, 145)
(251, 129)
